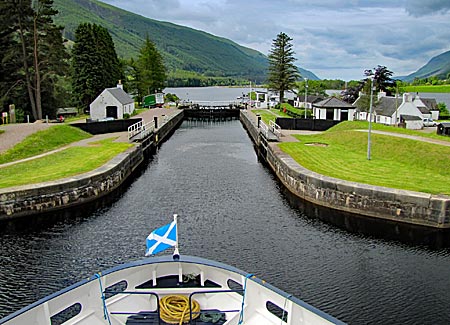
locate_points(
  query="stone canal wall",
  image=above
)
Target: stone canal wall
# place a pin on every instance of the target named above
(372, 201)
(45, 197)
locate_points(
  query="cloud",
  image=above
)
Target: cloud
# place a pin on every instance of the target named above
(419, 8)
(334, 39)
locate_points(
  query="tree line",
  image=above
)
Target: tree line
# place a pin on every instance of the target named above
(40, 71)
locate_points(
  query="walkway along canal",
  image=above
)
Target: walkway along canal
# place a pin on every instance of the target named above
(373, 201)
(232, 209)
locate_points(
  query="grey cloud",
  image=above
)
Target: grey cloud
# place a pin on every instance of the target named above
(419, 8)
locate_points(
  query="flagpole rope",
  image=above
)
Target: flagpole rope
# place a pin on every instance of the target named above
(241, 314)
(105, 309)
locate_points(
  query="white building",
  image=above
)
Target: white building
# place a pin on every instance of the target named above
(334, 109)
(390, 110)
(112, 103)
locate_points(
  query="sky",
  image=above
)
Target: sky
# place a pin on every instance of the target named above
(334, 39)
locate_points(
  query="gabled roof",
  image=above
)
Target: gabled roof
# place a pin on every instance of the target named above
(423, 110)
(430, 103)
(120, 95)
(386, 106)
(410, 118)
(332, 102)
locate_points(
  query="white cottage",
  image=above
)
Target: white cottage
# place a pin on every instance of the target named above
(112, 103)
(334, 109)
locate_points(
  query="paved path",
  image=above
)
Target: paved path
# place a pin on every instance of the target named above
(412, 137)
(15, 133)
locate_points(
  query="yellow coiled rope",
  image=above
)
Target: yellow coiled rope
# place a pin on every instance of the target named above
(174, 309)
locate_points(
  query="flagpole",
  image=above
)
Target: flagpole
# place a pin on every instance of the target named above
(176, 253)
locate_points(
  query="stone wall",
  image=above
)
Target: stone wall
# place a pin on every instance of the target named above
(44, 197)
(49, 196)
(367, 200)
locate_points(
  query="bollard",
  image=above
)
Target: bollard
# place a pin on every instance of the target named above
(28, 119)
(155, 118)
(259, 120)
(46, 119)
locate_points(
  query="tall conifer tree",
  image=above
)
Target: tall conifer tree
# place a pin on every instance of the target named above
(151, 69)
(282, 72)
(95, 63)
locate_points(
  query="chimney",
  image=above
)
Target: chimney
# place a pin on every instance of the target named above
(407, 97)
(381, 94)
(119, 85)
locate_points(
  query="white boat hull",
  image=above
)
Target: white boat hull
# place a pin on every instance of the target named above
(133, 291)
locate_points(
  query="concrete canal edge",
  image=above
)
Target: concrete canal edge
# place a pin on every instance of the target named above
(39, 198)
(372, 201)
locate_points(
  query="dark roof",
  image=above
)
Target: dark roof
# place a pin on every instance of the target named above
(332, 102)
(120, 95)
(386, 106)
(410, 118)
(423, 109)
(430, 103)
(310, 98)
(67, 110)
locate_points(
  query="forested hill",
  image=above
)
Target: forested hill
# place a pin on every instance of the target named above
(183, 48)
(438, 66)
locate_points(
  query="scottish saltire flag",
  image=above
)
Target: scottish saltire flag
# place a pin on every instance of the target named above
(162, 238)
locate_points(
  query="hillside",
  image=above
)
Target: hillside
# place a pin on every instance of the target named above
(183, 48)
(438, 66)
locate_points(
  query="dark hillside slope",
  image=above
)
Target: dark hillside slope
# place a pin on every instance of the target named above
(183, 48)
(438, 66)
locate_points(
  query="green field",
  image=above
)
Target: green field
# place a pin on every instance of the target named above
(427, 89)
(400, 163)
(43, 141)
(269, 115)
(69, 162)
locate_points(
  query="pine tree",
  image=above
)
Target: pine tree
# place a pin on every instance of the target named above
(94, 62)
(151, 69)
(37, 42)
(282, 72)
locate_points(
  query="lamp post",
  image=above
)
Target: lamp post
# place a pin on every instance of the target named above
(306, 94)
(370, 119)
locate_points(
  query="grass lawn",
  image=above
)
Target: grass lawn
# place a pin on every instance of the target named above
(69, 162)
(427, 89)
(364, 125)
(43, 141)
(266, 115)
(269, 115)
(396, 162)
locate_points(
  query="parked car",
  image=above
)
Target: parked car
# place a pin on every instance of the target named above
(429, 122)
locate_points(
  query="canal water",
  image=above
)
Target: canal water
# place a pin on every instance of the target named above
(232, 209)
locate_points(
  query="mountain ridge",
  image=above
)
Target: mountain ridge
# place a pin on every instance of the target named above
(183, 48)
(438, 66)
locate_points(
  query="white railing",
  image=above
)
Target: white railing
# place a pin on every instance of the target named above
(275, 128)
(140, 130)
(264, 129)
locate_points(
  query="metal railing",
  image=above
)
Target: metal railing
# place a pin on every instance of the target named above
(275, 128)
(139, 130)
(264, 129)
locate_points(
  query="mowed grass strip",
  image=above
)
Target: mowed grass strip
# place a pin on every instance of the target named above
(69, 162)
(266, 115)
(43, 141)
(364, 125)
(395, 162)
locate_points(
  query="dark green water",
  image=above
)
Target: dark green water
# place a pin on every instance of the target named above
(232, 209)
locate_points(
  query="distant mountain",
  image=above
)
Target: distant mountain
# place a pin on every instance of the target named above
(438, 66)
(183, 48)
